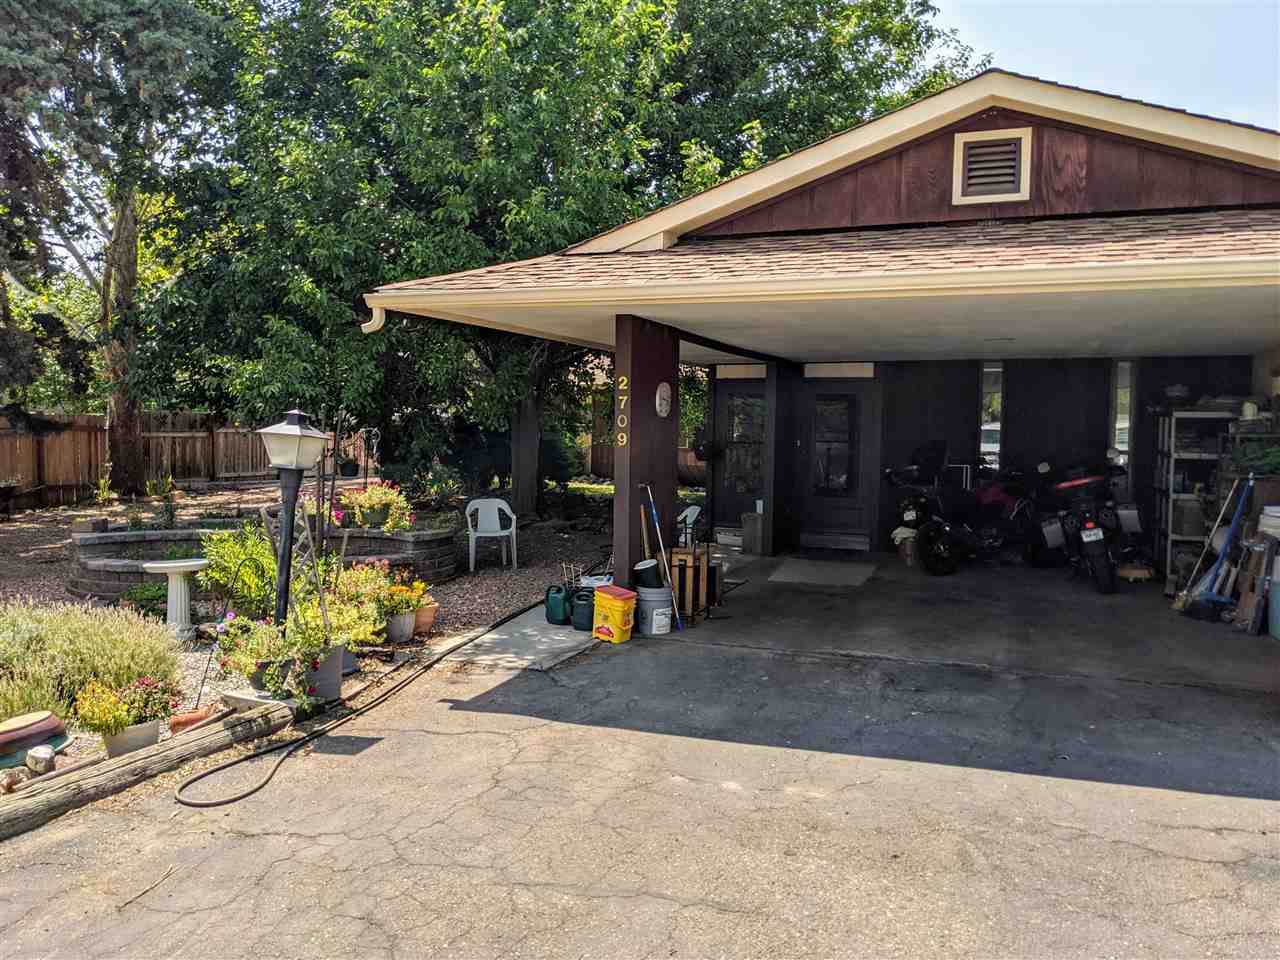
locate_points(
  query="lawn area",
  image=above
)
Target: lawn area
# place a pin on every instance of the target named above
(687, 496)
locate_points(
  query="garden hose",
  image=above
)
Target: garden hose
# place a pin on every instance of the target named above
(291, 746)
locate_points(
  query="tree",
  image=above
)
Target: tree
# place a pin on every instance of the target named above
(97, 92)
(374, 141)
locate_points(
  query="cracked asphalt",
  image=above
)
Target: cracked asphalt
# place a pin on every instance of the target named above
(671, 799)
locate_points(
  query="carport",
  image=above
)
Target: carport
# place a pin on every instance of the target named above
(847, 298)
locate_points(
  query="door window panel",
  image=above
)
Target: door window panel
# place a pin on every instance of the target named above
(744, 449)
(835, 467)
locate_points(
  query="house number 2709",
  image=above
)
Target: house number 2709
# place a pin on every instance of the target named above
(621, 420)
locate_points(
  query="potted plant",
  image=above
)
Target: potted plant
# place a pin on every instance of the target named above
(127, 719)
(318, 646)
(258, 651)
(425, 618)
(400, 607)
(364, 584)
(348, 466)
(379, 505)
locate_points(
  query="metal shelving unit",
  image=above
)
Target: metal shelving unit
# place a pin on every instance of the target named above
(1174, 484)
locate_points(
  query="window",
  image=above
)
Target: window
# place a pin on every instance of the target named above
(834, 456)
(744, 447)
(992, 166)
(989, 414)
(1121, 410)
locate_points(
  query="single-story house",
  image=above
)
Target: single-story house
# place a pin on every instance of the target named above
(1073, 251)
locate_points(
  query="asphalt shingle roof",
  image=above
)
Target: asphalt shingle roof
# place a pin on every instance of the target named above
(982, 245)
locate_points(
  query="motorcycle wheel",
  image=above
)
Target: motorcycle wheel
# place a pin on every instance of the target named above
(1103, 572)
(937, 550)
(1035, 552)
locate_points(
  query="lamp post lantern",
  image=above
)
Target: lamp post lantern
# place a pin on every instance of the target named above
(293, 447)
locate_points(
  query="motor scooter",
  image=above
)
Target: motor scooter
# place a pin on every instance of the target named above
(952, 523)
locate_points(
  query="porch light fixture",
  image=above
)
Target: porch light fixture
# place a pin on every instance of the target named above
(293, 447)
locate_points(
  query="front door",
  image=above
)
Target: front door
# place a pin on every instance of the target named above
(840, 449)
(739, 451)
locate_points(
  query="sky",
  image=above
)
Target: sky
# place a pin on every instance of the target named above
(1211, 56)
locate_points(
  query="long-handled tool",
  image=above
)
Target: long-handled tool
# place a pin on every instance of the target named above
(662, 552)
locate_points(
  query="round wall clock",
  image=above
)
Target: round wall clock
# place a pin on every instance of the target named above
(663, 399)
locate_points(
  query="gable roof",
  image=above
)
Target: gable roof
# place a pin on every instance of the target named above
(1246, 239)
(1211, 136)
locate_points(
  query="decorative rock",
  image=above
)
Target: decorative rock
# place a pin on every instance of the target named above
(13, 778)
(90, 525)
(40, 759)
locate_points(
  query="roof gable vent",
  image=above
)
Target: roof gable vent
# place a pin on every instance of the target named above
(992, 166)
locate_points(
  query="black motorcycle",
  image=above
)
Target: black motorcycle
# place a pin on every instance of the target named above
(1085, 523)
(953, 524)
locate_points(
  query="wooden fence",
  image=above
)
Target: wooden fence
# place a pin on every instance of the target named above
(63, 466)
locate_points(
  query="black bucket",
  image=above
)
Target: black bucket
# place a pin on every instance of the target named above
(584, 609)
(647, 574)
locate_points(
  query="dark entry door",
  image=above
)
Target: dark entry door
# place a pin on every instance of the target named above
(739, 449)
(840, 452)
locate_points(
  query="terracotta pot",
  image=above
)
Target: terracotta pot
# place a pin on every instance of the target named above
(425, 618)
(400, 627)
(181, 721)
(133, 738)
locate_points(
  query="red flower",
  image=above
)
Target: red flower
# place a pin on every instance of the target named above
(315, 664)
(311, 691)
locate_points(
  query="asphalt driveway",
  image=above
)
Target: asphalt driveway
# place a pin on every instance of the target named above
(668, 798)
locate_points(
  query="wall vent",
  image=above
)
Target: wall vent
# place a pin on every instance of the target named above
(992, 166)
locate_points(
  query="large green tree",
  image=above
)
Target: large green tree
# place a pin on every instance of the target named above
(371, 141)
(94, 97)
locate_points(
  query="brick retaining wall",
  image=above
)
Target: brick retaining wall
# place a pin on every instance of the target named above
(108, 564)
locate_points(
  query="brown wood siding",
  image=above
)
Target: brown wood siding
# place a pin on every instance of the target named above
(1074, 170)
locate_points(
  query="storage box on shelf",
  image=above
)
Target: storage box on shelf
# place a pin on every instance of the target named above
(1188, 449)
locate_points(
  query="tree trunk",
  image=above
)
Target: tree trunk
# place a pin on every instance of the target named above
(119, 285)
(526, 439)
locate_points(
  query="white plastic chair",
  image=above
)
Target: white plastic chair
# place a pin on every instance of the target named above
(685, 524)
(487, 522)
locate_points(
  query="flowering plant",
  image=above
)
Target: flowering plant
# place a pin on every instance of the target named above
(150, 699)
(310, 507)
(366, 583)
(100, 709)
(369, 502)
(404, 598)
(109, 712)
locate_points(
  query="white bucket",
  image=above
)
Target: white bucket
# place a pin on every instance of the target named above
(653, 610)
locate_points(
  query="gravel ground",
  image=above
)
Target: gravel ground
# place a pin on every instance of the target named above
(35, 561)
(35, 546)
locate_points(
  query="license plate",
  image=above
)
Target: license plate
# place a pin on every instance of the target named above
(1092, 536)
(908, 515)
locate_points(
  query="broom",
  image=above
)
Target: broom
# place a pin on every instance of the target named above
(1183, 599)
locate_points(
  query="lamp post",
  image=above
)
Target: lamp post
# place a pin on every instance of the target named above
(293, 447)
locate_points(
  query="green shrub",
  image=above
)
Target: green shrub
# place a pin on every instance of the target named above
(242, 569)
(150, 598)
(48, 654)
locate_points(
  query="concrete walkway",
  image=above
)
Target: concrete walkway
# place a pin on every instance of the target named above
(664, 799)
(526, 643)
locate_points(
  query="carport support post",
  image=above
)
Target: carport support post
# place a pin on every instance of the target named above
(782, 457)
(646, 354)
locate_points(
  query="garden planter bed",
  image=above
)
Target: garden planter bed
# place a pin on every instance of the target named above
(105, 565)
